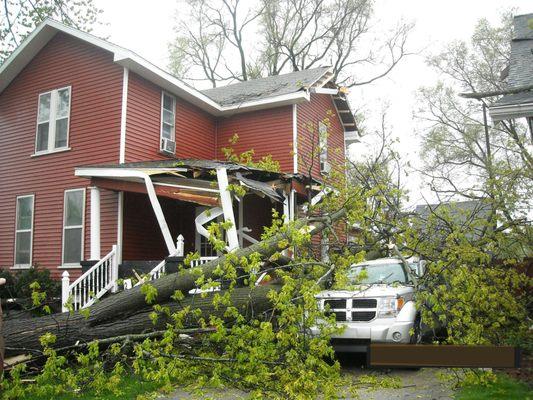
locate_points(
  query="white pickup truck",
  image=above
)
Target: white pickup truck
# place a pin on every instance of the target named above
(378, 307)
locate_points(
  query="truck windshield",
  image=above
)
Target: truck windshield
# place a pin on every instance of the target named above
(379, 273)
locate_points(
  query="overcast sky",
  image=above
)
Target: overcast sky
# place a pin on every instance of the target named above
(147, 27)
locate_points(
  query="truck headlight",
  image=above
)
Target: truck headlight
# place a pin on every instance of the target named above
(389, 307)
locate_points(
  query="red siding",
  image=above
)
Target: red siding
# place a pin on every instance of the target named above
(195, 129)
(265, 131)
(320, 107)
(143, 239)
(94, 138)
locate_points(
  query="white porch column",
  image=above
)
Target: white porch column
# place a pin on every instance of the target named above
(95, 223)
(227, 208)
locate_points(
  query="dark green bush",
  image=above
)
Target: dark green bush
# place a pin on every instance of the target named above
(18, 283)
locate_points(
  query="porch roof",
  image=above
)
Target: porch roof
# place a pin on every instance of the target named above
(192, 179)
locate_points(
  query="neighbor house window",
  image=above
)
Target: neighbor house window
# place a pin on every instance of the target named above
(53, 121)
(323, 146)
(168, 123)
(73, 219)
(24, 231)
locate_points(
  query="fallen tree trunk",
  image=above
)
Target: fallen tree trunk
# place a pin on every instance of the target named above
(22, 336)
(127, 312)
(132, 300)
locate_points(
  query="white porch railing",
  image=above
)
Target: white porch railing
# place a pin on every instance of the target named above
(202, 260)
(92, 285)
(159, 269)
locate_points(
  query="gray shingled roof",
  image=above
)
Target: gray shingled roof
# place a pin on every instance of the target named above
(262, 88)
(521, 62)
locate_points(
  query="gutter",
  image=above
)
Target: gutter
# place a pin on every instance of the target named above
(499, 113)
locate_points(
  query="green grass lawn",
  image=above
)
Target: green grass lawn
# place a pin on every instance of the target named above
(504, 388)
(131, 387)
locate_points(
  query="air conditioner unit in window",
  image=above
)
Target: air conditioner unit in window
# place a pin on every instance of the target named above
(325, 167)
(168, 145)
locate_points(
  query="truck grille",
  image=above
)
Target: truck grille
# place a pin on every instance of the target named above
(339, 315)
(363, 315)
(335, 303)
(364, 303)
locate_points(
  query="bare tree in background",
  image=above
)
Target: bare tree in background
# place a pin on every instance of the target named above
(215, 40)
(463, 158)
(19, 17)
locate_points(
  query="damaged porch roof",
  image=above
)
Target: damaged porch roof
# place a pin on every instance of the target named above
(192, 180)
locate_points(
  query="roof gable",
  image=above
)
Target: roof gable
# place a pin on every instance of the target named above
(245, 96)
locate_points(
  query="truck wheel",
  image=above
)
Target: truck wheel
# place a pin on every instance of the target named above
(416, 337)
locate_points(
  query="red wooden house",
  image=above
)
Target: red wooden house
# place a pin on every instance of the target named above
(102, 152)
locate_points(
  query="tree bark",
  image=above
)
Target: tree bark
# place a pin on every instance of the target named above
(132, 300)
(22, 336)
(128, 313)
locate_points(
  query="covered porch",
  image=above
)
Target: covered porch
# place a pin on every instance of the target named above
(161, 200)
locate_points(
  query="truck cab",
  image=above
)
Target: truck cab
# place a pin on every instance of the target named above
(378, 305)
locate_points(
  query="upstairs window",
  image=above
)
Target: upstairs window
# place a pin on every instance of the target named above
(73, 219)
(323, 147)
(53, 121)
(168, 123)
(24, 231)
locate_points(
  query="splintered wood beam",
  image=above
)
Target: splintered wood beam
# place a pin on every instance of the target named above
(160, 190)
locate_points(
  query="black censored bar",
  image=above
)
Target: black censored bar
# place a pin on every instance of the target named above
(452, 356)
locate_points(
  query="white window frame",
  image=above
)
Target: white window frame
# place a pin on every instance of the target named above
(24, 266)
(82, 226)
(175, 104)
(52, 119)
(323, 144)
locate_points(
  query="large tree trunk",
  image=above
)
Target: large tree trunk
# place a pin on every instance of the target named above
(22, 336)
(132, 300)
(127, 312)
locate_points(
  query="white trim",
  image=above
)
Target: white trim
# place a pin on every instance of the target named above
(322, 90)
(323, 148)
(227, 207)
(94, 238)
(325, 78)
(499, 113)
(20, 267)
(123, 116)
(69, 266)
(276, 101)
(203, 215)
(23, 266)
(120, 225)
(292, 208)
(120, 172)
(174, 113)
(295, 138)
(241, 221)
(52, 121)
(82, 226)
(44, 153)
(36, 40)
(195, 188)
(132, 173)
